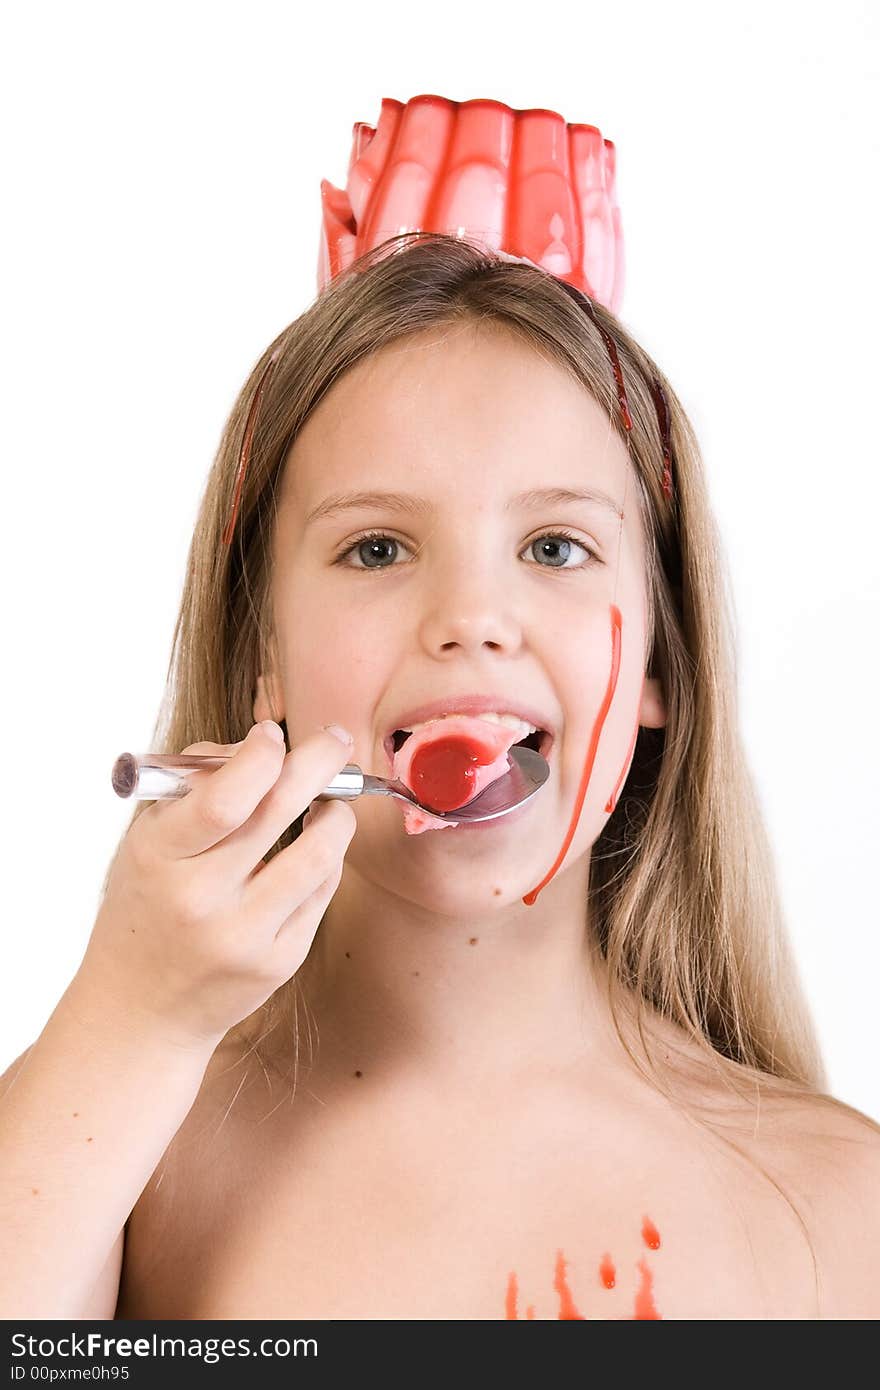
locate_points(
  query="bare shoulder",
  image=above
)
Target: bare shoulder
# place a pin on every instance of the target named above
(10, 1075)
(822, 1156)
(833, 1165)
(846, 1195)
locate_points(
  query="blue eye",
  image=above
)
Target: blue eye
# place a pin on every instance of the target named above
(556, 547)
(372, 550)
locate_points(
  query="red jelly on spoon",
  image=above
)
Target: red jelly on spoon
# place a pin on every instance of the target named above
(449, 761)
(443, 772)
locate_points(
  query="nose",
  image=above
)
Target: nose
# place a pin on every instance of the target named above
(469, 611)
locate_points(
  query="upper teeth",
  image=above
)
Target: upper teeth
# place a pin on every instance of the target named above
(510, 720)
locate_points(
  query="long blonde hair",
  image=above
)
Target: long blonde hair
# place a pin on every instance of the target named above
(683, 902)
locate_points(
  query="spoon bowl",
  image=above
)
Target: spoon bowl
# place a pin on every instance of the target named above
(527, 774)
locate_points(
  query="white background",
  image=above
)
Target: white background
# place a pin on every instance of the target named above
(161, 186)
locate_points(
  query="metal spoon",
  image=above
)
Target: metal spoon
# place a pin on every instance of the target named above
(161, 776)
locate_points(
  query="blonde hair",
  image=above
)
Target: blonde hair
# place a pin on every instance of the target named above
(683, 902)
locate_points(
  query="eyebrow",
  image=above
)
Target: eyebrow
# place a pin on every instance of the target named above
(420, 506)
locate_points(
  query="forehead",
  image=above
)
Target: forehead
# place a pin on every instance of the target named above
(465, 405)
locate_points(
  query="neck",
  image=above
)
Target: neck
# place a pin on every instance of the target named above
(398, 992)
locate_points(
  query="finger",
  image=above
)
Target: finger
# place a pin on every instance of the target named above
(221, 799)
(206, 747)
(294, 938)
(308, 769)
(287, 882)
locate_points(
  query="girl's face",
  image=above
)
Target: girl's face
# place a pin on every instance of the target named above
(476, 580)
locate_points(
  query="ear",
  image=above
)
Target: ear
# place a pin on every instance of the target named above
(652, 712)
(268, 702)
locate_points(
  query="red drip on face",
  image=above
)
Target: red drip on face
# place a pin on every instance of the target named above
(442, 772)
(616, 630)
(611, 803)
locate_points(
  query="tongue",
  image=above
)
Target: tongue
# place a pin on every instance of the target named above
(447, 763)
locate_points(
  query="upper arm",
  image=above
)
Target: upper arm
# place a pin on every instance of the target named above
(101, 1303)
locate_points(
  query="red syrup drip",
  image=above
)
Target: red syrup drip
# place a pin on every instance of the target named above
(645, 1309)
(510, 1301)
(616, 630)
(442, 772)
(661, 405)
(567, 1311)
(611, 803)
(611, 349)
(650, 1234)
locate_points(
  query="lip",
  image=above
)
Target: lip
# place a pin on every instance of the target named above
(475, 704)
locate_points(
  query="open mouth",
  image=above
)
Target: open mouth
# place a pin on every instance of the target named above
(540, 741)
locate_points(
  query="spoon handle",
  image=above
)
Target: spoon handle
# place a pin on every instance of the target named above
(162, 777)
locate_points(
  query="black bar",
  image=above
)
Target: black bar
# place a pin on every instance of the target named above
(134, 1354)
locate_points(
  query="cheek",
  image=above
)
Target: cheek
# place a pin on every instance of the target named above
(332, 663)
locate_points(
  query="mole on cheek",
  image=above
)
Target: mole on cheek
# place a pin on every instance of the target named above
(497, 892)
(358, 1073)
(415, 972)
(348, 955)
(473, 941)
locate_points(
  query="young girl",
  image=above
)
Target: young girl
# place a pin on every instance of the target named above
(557, 1065)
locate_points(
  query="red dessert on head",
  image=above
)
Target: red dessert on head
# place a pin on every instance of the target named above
(448, 761)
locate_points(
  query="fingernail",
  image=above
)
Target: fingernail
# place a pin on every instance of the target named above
(338, 732)
(273, 730)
